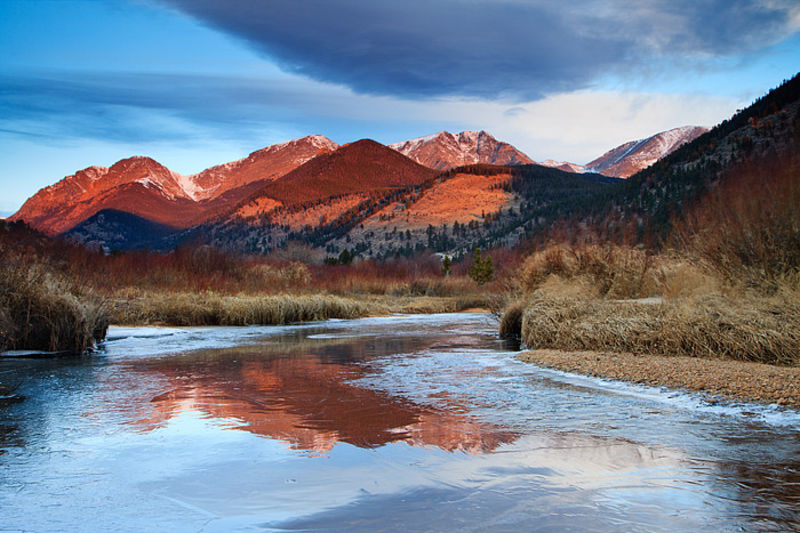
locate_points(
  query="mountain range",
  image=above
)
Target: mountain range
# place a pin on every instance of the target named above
(141, 186)
(284, 179)
(444, 192)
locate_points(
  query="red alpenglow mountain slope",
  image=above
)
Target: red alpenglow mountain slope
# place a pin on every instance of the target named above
(138, 185)
(299, 172)
(269, 163)
(446, 150)
(359, 168)
(144, 187)
(629, 158)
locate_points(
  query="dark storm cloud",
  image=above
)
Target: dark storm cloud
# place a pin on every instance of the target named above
(487, 48)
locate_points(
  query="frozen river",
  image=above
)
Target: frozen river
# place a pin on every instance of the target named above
(411, 423)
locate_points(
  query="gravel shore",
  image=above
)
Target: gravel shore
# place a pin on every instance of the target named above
(735, 380)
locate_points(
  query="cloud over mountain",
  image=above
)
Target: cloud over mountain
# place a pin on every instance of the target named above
(489, 48)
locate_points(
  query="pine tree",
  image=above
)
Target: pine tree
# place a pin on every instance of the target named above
(447, 265)
(345, 258)
(482, 269)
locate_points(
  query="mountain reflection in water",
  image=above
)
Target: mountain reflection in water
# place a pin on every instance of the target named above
(308, 400)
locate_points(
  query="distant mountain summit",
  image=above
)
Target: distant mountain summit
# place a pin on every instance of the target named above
(143, 187)
(628, 159)
(267, 164)
(445, 150)
(361, 168)
(566, 166)
(137, 184)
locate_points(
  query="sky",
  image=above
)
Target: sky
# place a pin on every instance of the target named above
(194, 83)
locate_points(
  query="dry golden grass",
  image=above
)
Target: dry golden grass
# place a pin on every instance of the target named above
(677, 277)
(432, 304)
(612, 298)
(211, 309)
(294, 274)
(189, 309)
(201, 287)
(751, 329)
(43, 310)
(613, 271)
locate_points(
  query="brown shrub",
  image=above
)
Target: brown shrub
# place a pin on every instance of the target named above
(282, 277)
(678, 277)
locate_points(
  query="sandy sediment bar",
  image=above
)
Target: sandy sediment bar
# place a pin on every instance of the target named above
(733, 380)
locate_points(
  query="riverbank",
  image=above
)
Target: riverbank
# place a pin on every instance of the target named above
(724, 378)
(212, 309)
(617, 299)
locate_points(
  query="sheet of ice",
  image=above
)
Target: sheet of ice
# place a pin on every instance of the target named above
(403, 423)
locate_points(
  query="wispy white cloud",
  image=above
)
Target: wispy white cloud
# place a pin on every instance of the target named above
(155, 108)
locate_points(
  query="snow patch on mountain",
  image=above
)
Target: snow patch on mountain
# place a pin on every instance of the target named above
(189, 187)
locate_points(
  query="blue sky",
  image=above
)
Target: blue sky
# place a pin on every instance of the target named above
(194, 83)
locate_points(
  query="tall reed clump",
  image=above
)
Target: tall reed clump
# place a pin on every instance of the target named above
(41, 309)
(762, 330)
(611, 271)
(210, 309)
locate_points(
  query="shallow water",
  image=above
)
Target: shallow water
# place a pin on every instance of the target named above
(420, 423)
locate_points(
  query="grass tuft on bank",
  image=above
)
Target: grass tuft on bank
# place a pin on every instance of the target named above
(618, 299)
(42, 309)
(765, 330)
(211, 309)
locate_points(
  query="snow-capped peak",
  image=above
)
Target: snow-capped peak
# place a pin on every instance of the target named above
(564, 165)
(633, 156)
(446, 150)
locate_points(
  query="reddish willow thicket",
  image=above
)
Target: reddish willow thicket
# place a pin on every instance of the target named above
(747, 227)
(202, 268)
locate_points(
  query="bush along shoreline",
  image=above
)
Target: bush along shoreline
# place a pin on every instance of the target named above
(44, 310)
